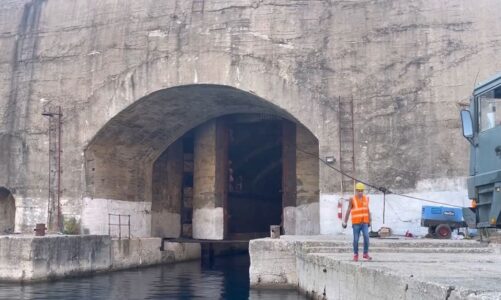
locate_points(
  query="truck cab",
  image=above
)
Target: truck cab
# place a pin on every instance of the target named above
(482, 128)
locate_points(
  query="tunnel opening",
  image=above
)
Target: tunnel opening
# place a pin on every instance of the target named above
(7, 211)
(248, 180)
(255, 175)
(166, 162)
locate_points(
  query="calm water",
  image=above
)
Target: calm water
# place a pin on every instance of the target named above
(228, 278)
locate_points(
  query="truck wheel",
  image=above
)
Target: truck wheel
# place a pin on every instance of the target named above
(443, 231)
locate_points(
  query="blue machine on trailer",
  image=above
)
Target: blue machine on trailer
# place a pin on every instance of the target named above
(442, 220)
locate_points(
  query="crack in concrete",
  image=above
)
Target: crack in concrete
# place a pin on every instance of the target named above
(449, 291)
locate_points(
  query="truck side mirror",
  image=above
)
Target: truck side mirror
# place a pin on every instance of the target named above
(467, 125)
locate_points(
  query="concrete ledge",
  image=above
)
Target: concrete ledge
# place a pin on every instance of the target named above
(273, 263)
(146, 252)
(29, 258)
(322, 268)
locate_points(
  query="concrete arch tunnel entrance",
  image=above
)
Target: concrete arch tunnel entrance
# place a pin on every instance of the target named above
(202, 161)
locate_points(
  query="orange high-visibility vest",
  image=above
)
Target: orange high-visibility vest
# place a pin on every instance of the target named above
(360, 210)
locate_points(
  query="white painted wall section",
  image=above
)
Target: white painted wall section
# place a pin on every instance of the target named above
(29, 212)
(208, 223)
(401, 214)
(95, 216)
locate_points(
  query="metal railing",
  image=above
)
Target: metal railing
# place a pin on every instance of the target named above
(119, 224)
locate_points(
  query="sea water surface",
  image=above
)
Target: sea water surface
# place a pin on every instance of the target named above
(226, 278)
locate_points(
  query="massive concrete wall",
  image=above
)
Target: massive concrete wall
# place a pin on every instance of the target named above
(167, 192)
(28, 258)
(407, 65)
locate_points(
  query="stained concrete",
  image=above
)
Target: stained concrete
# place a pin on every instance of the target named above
(167, 192)
(26, 258)
(129, 253)
(95, 217)
(7, 211)
(132, 78)
(322, 268)
(210, 179)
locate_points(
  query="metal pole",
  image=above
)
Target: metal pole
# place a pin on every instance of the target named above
(119, 227)
(353, 142)
(384, 206)
(49, 216)
(109, 224)
(340, 145)
(59, 151)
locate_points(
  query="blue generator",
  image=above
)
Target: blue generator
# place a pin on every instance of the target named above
(441, 220)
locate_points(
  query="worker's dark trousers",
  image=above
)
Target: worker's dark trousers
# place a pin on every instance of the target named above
(356, 236)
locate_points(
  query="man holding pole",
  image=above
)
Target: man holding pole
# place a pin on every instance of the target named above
(360, 219)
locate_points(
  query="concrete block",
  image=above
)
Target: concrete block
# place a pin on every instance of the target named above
(208, 223)
(28, 258)
(401, 269)
(273, 263)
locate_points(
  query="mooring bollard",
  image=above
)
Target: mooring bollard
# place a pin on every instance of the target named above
(40, 229)
(275, 231)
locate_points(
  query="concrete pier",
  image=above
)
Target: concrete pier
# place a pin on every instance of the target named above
(322, 268)
(27, 258)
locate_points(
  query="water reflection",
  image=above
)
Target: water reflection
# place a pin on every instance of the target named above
(226, 279)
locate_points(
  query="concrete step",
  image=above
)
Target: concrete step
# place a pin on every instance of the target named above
(400, 250)
(399, 244)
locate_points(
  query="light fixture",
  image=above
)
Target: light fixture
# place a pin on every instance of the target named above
(330, 159)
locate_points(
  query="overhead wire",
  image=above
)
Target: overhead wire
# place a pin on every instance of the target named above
(382, 189)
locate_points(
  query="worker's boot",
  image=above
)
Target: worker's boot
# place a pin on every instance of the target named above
(367, 257)
(355, 257)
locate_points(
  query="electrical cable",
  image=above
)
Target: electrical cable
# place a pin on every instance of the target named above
(379, 188)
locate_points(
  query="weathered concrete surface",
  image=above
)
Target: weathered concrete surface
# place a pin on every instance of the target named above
(210, 180)
(132, 78)
(95, 213)
(28, 258)
(402, 214)
(7, 211)
(145, 252)
(273, 263)
(322, 268)
(167, 192)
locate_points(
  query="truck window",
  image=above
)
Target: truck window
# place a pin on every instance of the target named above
(490, 109)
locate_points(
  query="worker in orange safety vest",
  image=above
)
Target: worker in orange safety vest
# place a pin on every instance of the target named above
(360, 220)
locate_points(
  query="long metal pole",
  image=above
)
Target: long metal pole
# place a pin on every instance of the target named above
(60, 115)
(340, 145)
(119, 227)
(353, 141)
(384, 207)
(49, 216)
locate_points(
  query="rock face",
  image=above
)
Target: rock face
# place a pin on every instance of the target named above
(133, 76)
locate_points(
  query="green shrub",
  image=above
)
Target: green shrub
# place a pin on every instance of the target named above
(71, 226)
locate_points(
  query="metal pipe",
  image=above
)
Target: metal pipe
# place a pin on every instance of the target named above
(353, 142)
(119, 227)
(49, 219)
(384, 207)
(340, 145)
(59, 150)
